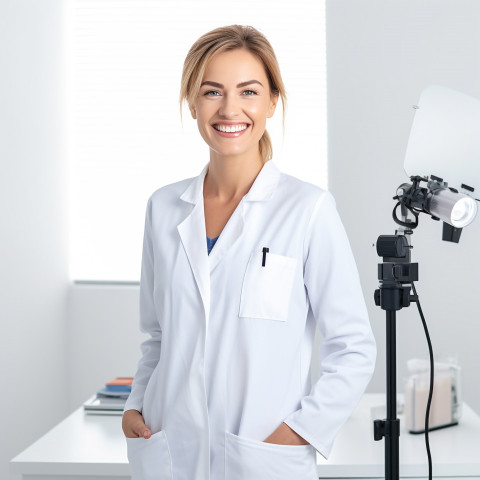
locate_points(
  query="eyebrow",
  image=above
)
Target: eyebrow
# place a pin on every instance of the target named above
(240, 85)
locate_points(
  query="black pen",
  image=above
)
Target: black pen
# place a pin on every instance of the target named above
(264, 258)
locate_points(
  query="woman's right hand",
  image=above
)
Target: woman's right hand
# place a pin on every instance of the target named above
(134, 426)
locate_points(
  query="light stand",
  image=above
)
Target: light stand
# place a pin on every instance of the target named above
(441, 141)
(395, 275)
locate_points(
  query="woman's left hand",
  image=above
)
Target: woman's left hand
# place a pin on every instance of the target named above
(284, 435)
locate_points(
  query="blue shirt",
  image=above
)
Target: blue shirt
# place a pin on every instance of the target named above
(211, 243)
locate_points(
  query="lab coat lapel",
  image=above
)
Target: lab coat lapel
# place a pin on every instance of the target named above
(193, 235)
(261, 190)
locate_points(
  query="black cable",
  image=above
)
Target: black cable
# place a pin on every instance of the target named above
(411, 210)
(430, 392)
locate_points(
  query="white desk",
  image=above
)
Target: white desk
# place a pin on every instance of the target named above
(455, 450)
(91, 447)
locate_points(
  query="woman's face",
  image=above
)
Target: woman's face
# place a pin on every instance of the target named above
(233, 104)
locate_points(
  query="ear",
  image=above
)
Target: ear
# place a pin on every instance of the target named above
(273, 106)
(193, 111)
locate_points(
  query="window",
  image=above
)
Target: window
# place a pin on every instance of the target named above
(126, 137)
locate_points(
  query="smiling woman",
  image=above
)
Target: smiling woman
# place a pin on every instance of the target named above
(223, 389)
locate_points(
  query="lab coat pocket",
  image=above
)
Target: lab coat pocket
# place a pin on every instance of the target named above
(267, 286)
(149, 459)
(247, 459)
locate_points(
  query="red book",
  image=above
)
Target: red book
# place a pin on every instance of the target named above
(120, 384)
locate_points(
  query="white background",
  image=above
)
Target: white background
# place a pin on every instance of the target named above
(59, 341)
(126, 139)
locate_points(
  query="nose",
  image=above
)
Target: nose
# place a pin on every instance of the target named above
(229, 106)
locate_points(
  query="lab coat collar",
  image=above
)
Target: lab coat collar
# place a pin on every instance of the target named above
(194, 191)
(262, 188)
(265, 183)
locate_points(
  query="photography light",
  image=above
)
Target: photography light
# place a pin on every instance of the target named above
(444, 143)
(438, 200)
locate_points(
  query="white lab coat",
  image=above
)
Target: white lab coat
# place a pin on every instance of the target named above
(229, 356)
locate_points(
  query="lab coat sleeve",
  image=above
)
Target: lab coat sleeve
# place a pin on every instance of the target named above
(348, 348)
(148, 321)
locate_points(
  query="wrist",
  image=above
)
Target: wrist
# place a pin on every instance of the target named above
(299, 440)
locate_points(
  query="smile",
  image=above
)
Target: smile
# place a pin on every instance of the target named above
(230, 128)
(230, 131)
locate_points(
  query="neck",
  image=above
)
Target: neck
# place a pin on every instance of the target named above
(230, 178)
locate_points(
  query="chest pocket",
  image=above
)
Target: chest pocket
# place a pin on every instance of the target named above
(266, 290)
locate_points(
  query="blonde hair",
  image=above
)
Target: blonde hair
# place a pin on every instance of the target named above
(231, 38)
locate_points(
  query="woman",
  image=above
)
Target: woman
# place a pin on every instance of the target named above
(223, 387)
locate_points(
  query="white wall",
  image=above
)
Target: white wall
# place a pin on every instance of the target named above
(103, 337)
(380, 55)
(33, 243)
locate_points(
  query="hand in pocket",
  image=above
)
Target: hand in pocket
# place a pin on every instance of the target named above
(134, 426)
(284, 435)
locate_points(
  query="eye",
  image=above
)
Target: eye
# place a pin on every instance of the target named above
(249, 92)
(212, 93)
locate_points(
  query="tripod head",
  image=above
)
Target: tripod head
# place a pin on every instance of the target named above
(396, 271)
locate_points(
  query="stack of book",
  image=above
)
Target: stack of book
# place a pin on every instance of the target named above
(110, 400)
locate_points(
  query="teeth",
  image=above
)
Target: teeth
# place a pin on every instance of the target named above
(230, 128)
